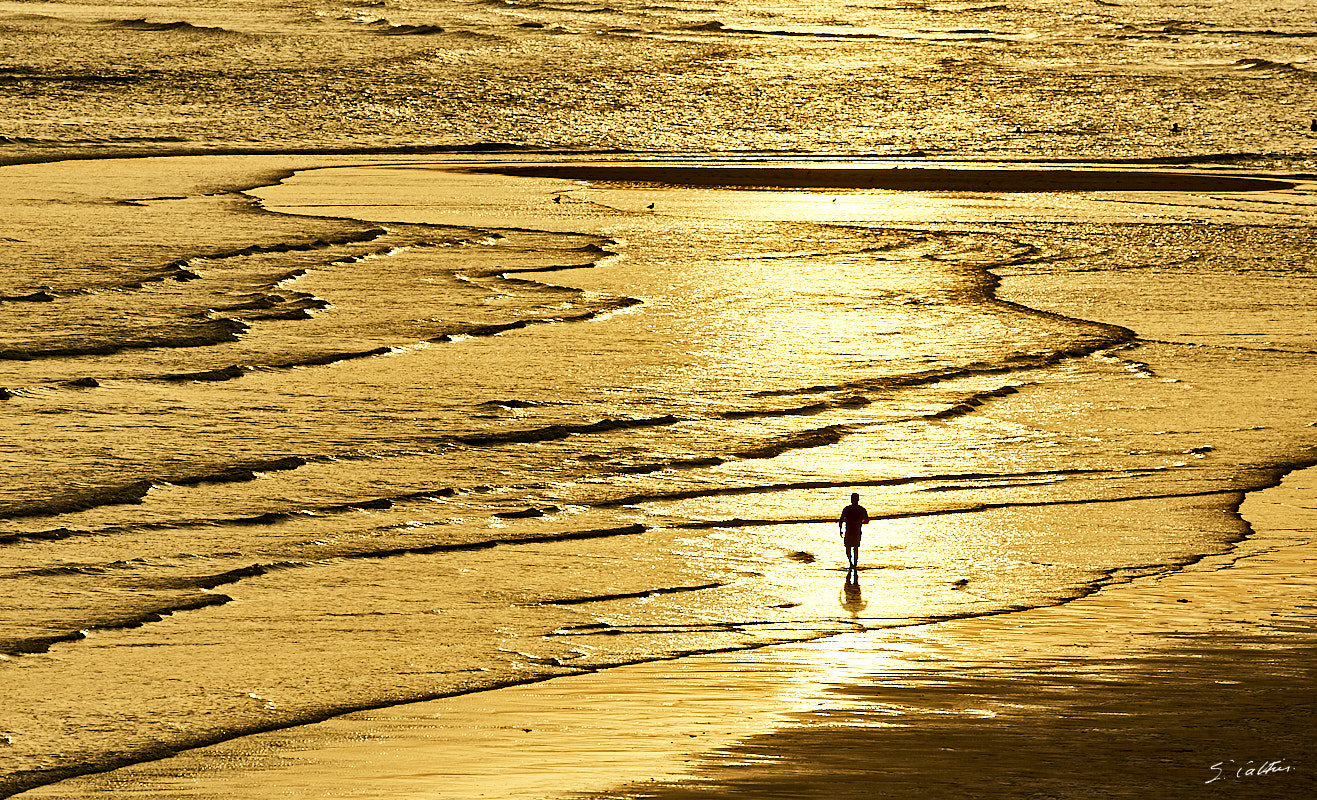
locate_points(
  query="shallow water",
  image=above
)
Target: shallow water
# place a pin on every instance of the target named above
(378, 434)
(401, 497)
(1232, 628)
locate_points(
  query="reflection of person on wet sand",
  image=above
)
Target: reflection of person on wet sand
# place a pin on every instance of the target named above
(853, 518)
(851, 598)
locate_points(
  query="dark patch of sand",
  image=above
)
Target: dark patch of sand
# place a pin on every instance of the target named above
(1167, 725)
(903, 179)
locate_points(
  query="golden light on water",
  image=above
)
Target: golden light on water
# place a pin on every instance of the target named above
(564, 333)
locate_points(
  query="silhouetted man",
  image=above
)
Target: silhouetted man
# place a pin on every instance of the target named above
(851, 523)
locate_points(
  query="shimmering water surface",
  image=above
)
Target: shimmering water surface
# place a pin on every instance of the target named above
(381, 430)
(1073, 76)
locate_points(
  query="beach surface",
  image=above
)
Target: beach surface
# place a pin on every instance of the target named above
(1193, 684)
(1187, 682)
(425, 399)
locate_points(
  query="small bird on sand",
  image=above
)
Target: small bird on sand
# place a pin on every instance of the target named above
(650, 206)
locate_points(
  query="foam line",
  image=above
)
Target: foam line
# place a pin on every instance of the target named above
(690, 494)
(603, 598)
(133, 493)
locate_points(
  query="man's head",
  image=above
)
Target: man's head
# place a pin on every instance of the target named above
(855, 498)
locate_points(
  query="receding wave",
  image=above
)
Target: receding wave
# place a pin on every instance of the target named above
(800, 440)
(19, 76)
(718, 27)
(484, 544)
(386, 28)
(728, 491)
(43, 295)
(547, 667)
(237, 370)
(42, 644)
(302, 511)
(850, 401)
(803, 440)
(554, 432)
(300, 245)
(1177, 28)
(185, 334)
(512, 404)
(137, 618)
(227, 373)
(969, 508)
(275, 307)
(128, 494)
(140, 617)
(242, 472)
(186, 269)
(1085, 346)
(496, 328)
(1273, 34)
(133, 493)
(965, 405)
(604, 598)
(972, 403)
(1263, 65)
(579, 8)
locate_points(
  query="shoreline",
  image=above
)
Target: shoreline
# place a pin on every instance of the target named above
(1205, 680)
(979, 703)
(765, 713)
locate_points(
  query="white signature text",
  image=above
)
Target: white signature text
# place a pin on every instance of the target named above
(1249, 769)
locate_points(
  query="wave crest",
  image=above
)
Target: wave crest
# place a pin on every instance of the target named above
(1263, 65)
(169, 27)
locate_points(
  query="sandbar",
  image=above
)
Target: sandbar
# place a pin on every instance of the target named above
(961, 179)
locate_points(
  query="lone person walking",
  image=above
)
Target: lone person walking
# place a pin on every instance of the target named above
(850, 525)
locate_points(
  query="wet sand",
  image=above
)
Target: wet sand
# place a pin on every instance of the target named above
(1198, 683)
(1149, 689)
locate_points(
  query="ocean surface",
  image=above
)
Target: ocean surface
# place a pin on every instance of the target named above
(1088, 77)
(293, 423)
